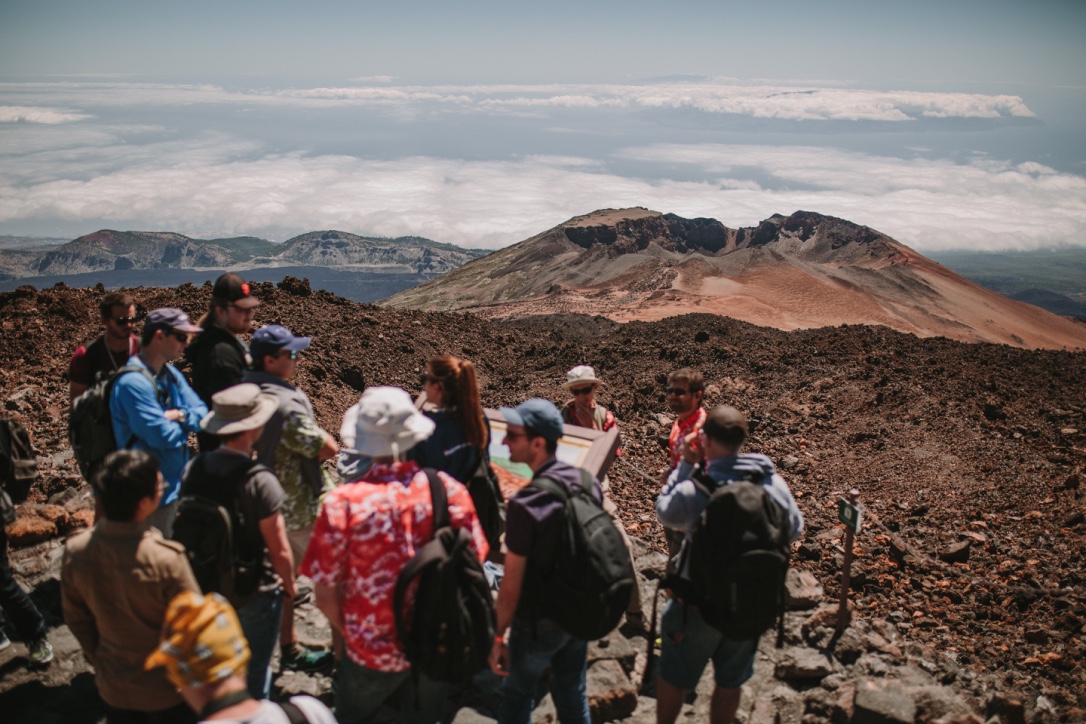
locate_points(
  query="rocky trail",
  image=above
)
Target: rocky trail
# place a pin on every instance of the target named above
(968, 583)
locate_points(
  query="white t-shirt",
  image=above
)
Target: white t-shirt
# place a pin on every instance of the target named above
(270, 713)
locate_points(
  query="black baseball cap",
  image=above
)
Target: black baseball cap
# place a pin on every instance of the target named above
(232, 289)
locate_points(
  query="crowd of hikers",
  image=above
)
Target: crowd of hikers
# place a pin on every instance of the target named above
(189, 578)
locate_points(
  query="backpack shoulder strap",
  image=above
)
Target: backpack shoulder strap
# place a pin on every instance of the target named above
(439, 501)
(552, 486)
(702, 481)
(294, 714)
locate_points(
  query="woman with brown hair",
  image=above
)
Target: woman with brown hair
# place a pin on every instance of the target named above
(460, 443)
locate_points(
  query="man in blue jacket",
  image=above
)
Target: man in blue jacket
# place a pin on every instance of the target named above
(687, 641)
(158, 416)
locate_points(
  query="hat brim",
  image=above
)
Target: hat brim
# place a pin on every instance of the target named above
(511, 416)
(419, 427)
(570, 384)
(297, 344)
(265, 408)
(188, 328)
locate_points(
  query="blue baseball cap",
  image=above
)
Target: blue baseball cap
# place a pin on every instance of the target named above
(169, 318)
(272, 338)
(540, 416)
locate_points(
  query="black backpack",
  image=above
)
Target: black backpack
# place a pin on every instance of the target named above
(486, 494)
(452, 627)
(90, 425)
(585, 586)
(211, 525)
(738, 558)
(18, 467)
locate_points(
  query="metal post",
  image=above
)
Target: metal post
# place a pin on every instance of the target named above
(846, 569)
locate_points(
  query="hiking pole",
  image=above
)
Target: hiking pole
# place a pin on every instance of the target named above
(848, 512)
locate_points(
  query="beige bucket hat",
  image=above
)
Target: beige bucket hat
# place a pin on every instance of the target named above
(237, 409)
(581, 375)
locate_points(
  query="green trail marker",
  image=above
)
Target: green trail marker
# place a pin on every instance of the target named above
(849, 514)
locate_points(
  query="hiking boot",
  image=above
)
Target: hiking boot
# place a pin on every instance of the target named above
(41, 652)
(302, 658)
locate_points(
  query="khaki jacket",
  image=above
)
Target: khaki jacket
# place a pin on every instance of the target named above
(116, 581)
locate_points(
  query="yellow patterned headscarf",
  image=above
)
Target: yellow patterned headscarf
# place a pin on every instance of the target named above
(202, 641)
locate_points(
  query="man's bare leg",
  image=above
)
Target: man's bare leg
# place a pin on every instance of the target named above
(669, 701)
(723, 706)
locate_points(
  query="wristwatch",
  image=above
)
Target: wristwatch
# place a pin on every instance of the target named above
(181, 417)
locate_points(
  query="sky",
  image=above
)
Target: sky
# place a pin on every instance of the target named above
(956, 124)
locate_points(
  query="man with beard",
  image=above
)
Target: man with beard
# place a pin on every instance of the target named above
(685, 390)
(219, 357)
(111, 349)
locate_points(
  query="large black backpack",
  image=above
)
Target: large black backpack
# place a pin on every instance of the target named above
(18, 467)
(90, 425)
(486, 494)
(212, 526)
(585, 585)
(452, 627)
(738, 558)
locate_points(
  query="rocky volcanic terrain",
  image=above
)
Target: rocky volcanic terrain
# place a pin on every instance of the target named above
(968, 459)
(800, 271)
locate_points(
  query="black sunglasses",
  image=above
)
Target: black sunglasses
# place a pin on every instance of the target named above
(126, 320)
(425, 377)
(677, 391)
(582, 390)
(181, 336)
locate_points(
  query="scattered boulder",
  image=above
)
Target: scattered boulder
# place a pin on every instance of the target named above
(802, 590)
(803, 664)
(611, 696)
(956, 552)
(879, 701)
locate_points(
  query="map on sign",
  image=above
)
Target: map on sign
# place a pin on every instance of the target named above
(849, 514)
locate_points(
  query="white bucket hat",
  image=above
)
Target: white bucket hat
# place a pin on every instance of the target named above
(580, 375)
(384, 422)
(237, 409)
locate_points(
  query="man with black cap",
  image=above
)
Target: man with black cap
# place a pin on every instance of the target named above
(293, 445)
(219, 357)
(534, 521)
(156, 411)
(687, 641)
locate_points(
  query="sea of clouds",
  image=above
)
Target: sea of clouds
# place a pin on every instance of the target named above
(489, 165)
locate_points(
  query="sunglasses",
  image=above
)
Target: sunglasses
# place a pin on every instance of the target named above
(582, 391)
(425, 377)
(510, 435)
(677, 391)
(126, 320)
(293, 353)
(181, 336)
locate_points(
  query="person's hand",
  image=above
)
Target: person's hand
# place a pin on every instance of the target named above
(174, 415)
(290, 590)
(499, 658)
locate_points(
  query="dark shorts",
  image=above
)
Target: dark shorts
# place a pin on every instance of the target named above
(686, 647)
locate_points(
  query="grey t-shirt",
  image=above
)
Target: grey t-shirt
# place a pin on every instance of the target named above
(261, 496)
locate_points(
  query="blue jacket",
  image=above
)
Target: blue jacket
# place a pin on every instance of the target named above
(681, 502)
(136, 408)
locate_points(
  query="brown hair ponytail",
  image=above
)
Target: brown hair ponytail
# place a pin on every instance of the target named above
(461, 390)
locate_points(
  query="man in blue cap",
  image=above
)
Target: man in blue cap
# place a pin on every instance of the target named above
(156, 411)
(534, 523)
(293, 445)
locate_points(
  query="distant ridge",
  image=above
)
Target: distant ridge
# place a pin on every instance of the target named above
(798, 271)
(107, 249)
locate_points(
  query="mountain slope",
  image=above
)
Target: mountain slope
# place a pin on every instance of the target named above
(119, 250)
(800, 271)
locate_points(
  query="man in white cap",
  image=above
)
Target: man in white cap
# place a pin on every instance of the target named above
(230, 477)
(156, 411)
(364, 535)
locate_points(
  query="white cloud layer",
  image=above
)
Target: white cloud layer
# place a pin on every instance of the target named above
(780, 102)
(49, 116)
(216, 187)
